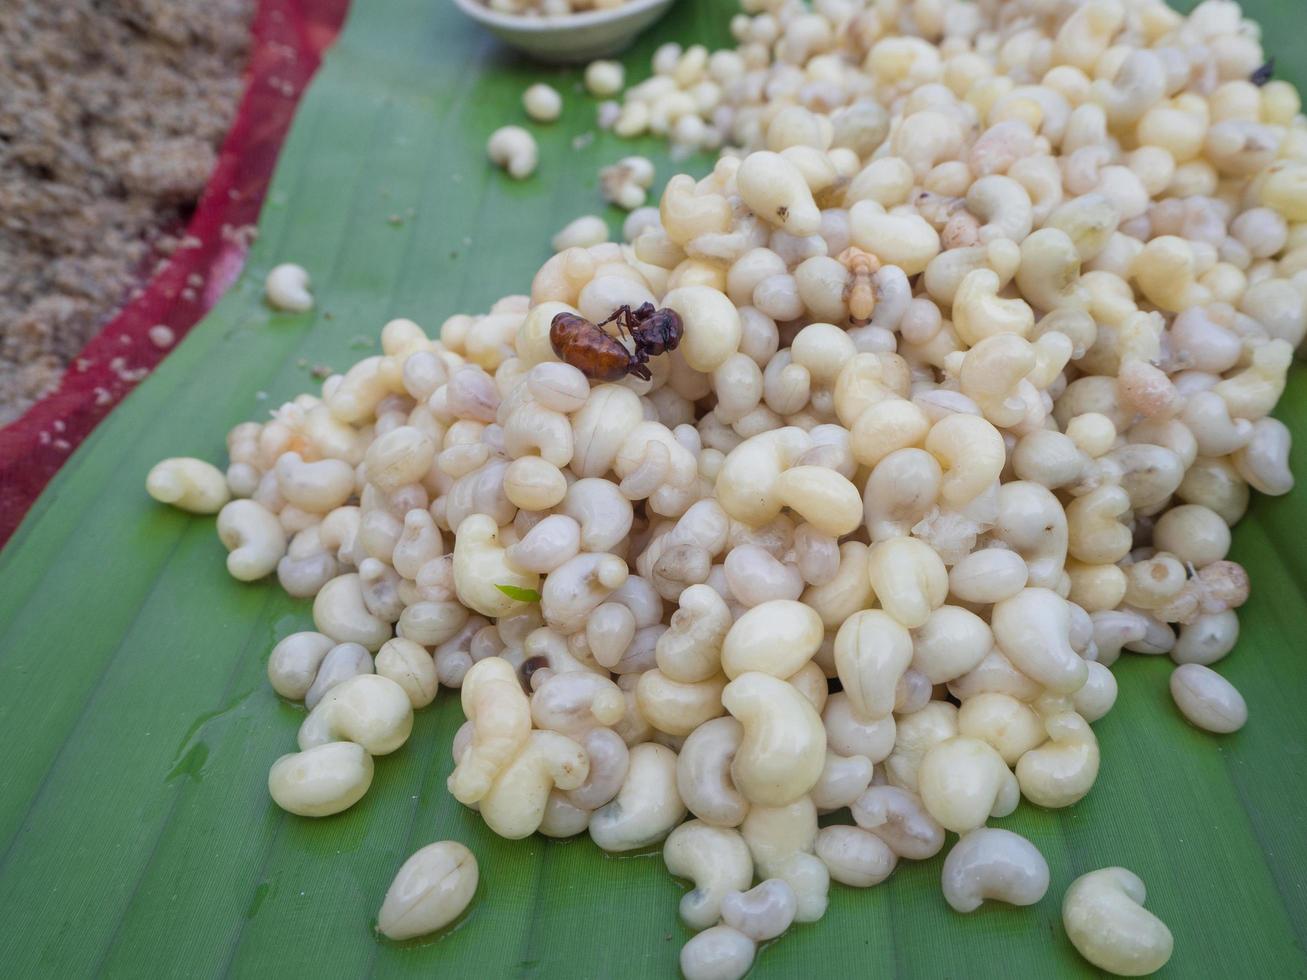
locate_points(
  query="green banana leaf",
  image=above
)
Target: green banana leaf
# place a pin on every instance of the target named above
(137, 838)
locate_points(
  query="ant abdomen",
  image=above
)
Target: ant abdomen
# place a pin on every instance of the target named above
(583, 345)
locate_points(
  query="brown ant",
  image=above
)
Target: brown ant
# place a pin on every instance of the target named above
(601, 356)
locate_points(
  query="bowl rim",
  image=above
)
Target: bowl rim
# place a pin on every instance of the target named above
(483, 14)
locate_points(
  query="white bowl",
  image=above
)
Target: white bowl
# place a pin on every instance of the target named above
(574, 38)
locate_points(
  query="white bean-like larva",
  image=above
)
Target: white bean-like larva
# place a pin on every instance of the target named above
(518, 800)
(1031, 628)
(549, 544)
(719, 953)
(964, 781)
(915, 735)
(648, 805)
(604, 78)
(368, 709)
(755, 576)
(777, 638)
(188, 484)
(322, 780)
(1009, 725)
(854, 856)
(339, 611)
(609, 759)
(843, 779)
(1207, 699)
(582, 232)
(871, 653)
(287, 288)
(562, 818)
(1207, 639)
(1063, 769)
(542, 103)
(253, 536)
(703, 773)
(576, 701)
(851, 734)
(1097, 697)
(294, 662)
(783, 750)
(340, 663)
(410, 666)
(989, 863)
(763, 912)
(609, 631)
(513, 149)
(901, 820)
(989, 575)
(950, 643)
(430, 890)
(716, 859)
(1105, 919)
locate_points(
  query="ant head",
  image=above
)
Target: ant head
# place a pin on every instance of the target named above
(668, 325)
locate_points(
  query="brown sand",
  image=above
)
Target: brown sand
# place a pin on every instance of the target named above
(110, 116)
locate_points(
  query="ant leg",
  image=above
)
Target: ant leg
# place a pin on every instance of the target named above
(623, 309)
(639, 366)
(633, 325)
(622, 317)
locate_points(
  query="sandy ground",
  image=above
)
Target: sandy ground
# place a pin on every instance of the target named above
(111, 114)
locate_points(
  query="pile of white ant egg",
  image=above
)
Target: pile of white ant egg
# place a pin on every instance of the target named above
(981, 338)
